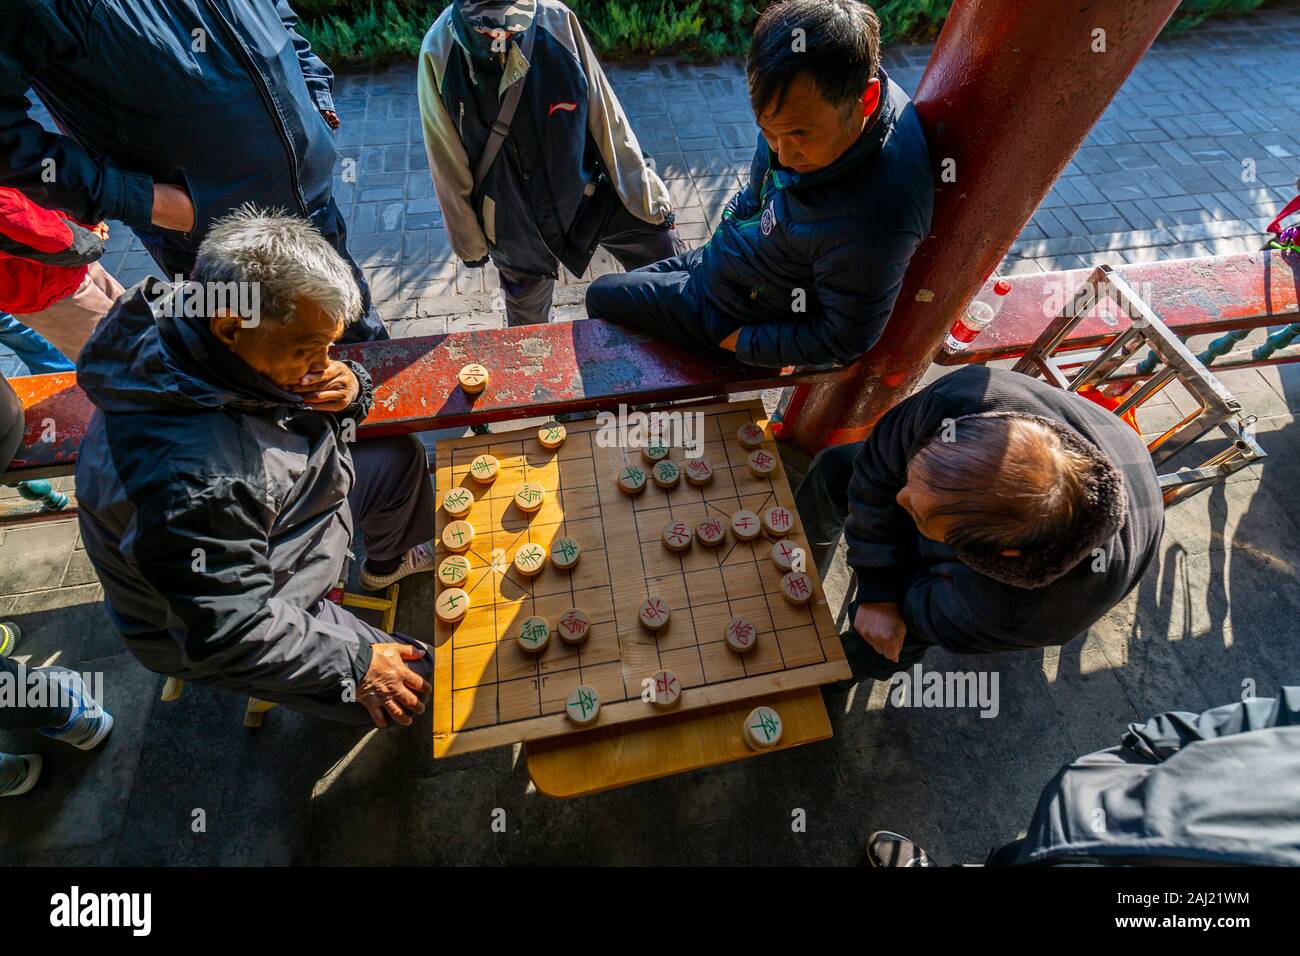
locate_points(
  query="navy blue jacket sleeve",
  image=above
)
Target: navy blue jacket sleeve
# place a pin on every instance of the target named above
(53, 170)
(855, 286)
(319, 77)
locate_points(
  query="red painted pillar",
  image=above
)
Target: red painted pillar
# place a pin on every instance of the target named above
(1009, 94)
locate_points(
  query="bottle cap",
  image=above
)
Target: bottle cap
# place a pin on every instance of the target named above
(1002, 287)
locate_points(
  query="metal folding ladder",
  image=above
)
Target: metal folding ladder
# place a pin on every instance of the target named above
(1126, 382)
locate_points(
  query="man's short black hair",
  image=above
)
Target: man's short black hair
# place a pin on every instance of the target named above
(838, 49)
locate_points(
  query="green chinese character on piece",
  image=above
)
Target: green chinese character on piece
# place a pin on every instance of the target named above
(585, 703)
(766, 726)
(567, 549)
(635, 474)
(453, 601)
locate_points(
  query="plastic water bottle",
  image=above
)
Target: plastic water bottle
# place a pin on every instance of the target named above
(978, 315)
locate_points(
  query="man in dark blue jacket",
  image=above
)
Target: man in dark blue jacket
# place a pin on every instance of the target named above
(809, 258)
(173, 113)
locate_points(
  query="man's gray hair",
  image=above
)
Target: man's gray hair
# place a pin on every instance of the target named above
(284, 257)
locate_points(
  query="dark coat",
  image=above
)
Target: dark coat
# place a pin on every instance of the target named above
(974, 606)
(238, 121)
(214, 507)
(1217, 788)
(843, 236)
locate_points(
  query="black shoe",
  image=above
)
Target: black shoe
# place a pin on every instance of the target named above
(480, 429)
(886, 848)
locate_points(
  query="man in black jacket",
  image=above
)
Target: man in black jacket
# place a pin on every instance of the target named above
(220, 481)
(988, 512)
(808, 259)
(172, 113)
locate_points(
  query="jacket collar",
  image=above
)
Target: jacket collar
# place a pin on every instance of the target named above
(863, 151)
(190, 343)
(479, 54)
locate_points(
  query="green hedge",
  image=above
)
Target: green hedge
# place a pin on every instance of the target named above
(356, 30)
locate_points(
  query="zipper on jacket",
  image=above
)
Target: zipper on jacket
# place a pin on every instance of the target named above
(461, 125)
(264, 91)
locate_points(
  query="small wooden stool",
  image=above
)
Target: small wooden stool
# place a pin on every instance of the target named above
(173, 687)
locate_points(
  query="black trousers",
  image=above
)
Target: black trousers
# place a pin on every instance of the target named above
(822, 499)
(25, 679)
(632, 241)
(658, 299)
(11, 423)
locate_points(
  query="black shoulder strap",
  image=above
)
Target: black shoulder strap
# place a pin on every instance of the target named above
(506, 116)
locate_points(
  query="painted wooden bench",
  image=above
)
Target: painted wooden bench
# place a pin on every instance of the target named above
(1214, 295)
(535, 371)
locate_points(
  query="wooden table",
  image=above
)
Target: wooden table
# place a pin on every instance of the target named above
(575, 765)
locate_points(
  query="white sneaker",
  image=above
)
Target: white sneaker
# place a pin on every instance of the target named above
(417, 560)
(29, 778)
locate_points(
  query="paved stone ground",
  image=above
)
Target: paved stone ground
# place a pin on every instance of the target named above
(1160, 177)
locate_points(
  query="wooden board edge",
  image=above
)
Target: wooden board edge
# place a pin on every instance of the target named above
(448, 743)
(708, 719)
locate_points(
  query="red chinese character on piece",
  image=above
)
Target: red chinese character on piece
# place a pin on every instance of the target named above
(665, 684)
(743, 523)
(785, 551)
(743, 630)
(780, 518)
(762, 460)
(712, 527)
(698, 467)
(573, 624)
(799, 585)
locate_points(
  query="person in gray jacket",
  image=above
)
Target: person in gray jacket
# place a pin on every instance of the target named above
(218, 488)
(570, 175)
(1219, 788)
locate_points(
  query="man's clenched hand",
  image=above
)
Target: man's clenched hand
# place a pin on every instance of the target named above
(883, 627)
(391, 690)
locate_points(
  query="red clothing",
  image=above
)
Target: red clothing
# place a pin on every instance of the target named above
(43, 254)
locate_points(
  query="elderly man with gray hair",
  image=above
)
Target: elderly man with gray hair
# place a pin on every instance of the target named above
(218, 488)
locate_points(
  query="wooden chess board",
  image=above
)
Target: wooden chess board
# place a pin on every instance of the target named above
(489, 692)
